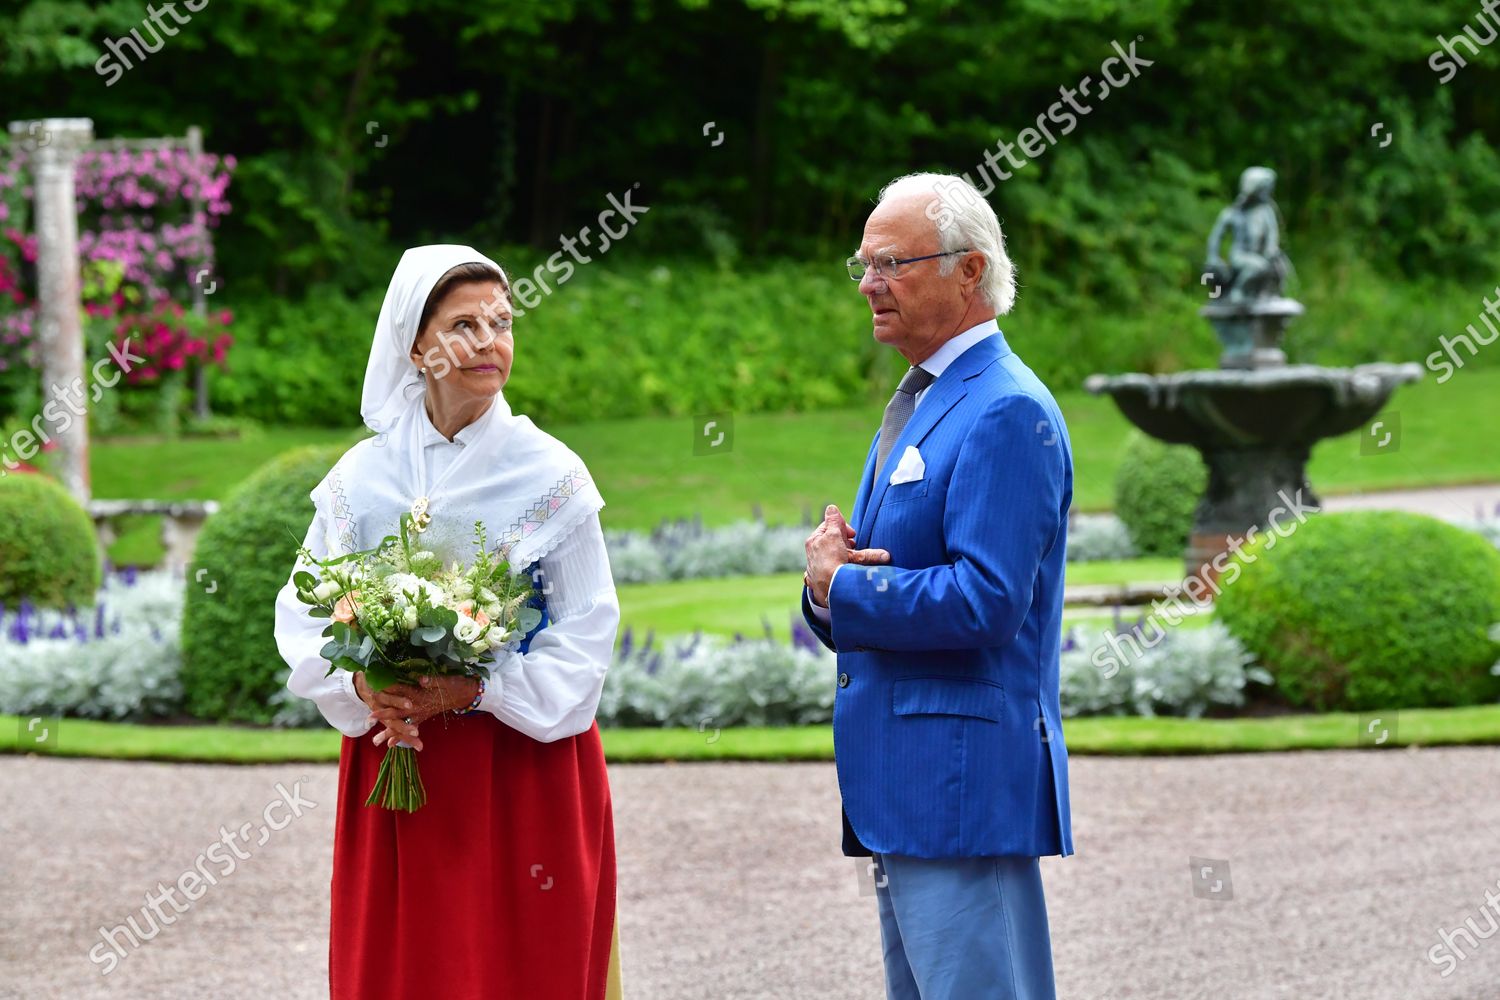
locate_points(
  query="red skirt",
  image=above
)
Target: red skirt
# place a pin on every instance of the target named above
(501, 886)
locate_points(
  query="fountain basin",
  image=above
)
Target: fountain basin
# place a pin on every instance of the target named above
(1255, 429)
(1227, 408)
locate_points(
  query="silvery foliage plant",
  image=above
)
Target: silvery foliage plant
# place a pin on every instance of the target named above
(687, 550)
(117, 659)
(706, 681)
(1093, 537)
(1187, 672)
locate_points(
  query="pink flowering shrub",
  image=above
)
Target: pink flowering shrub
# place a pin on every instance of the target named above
(164, 336)
(145, 224)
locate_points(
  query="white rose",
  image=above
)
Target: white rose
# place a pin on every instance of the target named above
(403, 583)
(494, 612)
(325, 590)
(409, 586)
(467, 629)
(487, 596)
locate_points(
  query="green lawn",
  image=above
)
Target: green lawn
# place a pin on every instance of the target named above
(184, 469)
(786, 463)
(745, 603)
(1111, 736)
(193, 468)
(1125, 571)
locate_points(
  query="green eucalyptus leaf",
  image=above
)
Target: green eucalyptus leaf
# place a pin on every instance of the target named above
(379, 676)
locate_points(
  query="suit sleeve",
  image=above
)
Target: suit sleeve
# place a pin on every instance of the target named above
(818, 618)
(1004, 512)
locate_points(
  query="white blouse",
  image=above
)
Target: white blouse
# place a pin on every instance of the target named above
(549, 693)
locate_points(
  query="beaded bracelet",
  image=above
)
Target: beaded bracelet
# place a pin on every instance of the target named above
(474, 705)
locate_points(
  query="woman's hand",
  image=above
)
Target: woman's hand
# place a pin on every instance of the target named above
(449, 692)
(397, 704)
(392, 707)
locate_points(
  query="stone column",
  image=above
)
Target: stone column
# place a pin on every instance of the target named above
(200, 306)
(56, 143)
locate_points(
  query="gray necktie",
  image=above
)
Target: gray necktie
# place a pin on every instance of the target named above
(898, 411)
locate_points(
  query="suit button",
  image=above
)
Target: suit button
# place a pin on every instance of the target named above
(843, 680)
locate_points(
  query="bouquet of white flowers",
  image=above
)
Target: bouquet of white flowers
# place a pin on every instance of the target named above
(397, 613)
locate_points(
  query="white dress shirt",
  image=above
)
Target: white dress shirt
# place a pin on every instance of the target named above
(549, 693)
(934, 366)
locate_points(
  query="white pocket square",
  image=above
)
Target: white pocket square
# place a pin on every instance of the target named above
(910, 468)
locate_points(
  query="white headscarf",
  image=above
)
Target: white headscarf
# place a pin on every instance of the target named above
(390, 375)
(529, 489)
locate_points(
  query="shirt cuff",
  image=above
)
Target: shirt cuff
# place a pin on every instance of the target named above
(346, 681)
(358, 713)
(821, 612)
(494, 684)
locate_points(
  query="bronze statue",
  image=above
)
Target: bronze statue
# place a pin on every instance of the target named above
(1256, 267)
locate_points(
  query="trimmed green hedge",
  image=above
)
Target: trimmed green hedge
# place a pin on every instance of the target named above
(1372, 609)
(230, 664)
(1157, 488)
(49, 553)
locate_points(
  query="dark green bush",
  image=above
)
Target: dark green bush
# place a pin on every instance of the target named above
(230, 664)
(1157, 488)
(49, 553)
(1367, 610)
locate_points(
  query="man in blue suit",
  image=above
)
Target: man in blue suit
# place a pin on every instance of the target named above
(942, 596)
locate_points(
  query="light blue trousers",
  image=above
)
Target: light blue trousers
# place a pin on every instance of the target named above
(963, 928)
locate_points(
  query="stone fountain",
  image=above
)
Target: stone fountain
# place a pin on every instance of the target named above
(1254, 419)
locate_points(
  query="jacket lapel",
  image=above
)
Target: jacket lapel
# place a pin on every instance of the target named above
(941, 397)
(862, 497)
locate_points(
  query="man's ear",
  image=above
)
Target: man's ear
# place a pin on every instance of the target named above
(972, 269)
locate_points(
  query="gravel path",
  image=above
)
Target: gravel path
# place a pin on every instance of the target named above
(1343, 867)
(1450, 503)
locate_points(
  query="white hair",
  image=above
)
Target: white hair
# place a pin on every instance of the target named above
(963, 220)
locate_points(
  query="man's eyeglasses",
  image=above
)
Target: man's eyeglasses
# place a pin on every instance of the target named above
(888, 266)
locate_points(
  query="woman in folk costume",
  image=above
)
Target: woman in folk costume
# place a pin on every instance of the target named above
(503, 884)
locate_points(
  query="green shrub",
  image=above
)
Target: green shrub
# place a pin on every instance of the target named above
(1157, 488)
(661, 339)
(49, 553)
(666, 337)
(230, 664)
(1372, 609)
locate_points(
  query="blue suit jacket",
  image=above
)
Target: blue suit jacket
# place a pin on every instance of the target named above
(946, 726)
